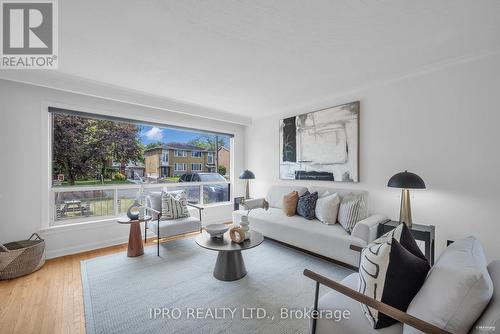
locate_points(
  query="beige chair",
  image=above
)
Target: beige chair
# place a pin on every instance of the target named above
(172, 227)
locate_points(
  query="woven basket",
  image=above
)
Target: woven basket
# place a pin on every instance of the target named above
(21, 258)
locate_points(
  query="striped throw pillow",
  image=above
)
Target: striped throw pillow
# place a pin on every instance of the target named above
(352, 209)
(173, 206)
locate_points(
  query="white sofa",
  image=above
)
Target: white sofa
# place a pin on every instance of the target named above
(314, 236)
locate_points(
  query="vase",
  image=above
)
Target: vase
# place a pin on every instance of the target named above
(133, 210)
(244, 225)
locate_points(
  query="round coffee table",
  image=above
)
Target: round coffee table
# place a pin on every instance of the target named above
(230, 265)
(135, 246)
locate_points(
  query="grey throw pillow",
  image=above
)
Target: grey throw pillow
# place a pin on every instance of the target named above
(307, 205)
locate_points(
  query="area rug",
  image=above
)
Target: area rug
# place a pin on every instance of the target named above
(176, 293)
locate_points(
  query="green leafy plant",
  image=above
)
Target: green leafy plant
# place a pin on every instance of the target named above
(119, 177)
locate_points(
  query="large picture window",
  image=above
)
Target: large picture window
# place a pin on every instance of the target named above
(99, 163)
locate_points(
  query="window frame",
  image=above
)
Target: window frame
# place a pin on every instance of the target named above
(180, 170)
(164, 154)
(196, 156)
(211, 156)
(48, 189)
(183, 155)
(197, 170)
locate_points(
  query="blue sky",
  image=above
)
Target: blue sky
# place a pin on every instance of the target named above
(153, 134)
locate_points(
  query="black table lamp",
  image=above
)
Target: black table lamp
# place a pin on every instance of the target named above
(247, 175)
(406, 181)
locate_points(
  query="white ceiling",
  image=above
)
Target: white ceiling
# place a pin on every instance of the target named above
(256, 57)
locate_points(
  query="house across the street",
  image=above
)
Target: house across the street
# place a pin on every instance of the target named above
(175, 159)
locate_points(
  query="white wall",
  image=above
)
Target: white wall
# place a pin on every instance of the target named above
(442, 124)
(23, 165)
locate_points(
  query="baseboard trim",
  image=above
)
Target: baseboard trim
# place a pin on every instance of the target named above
(326, 258)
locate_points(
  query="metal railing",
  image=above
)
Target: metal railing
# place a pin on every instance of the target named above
(74, 204)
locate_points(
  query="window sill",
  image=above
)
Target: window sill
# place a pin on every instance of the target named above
(99, 223)
(78, 226)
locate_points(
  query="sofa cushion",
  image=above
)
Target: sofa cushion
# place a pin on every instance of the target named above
(327, 208)
(276, 193)
(490, 319)
(290, 203)
(307, 204)
(457, 289)
(312, 235)
(356, 323)
(391, 274)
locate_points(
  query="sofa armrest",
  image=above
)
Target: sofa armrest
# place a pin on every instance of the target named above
(254, 203)
(367, 228)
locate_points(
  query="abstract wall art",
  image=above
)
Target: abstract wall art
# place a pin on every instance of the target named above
(321, 145)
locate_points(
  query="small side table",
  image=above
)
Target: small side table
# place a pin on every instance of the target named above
(135, 246)
(425, 233)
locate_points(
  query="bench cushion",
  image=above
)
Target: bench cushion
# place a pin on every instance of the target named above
(173, 227)
(328, 240)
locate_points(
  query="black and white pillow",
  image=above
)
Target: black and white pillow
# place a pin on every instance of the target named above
(352, 209)
(307, 204)
(174, 205)
(392, 270)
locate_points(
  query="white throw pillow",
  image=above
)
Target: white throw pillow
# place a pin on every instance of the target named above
(352, 209)
(327, 208)
(456, 291)
(173, 206)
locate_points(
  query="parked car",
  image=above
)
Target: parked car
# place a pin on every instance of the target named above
(212, 193)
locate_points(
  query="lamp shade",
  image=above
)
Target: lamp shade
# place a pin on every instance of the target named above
(406, 180)
(247, 175)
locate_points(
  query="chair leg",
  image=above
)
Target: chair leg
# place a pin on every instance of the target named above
(145, 229)
(315, 319)
(158, 239)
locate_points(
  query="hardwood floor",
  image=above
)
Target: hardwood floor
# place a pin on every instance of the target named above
(50, 300)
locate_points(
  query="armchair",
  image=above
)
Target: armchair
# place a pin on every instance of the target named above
(172, 227)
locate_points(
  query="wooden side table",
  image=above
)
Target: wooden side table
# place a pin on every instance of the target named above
(135, 246)
(425, 233)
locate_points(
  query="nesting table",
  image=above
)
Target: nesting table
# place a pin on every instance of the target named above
(229, 265)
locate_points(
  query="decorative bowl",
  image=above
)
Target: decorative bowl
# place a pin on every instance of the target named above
(216, 230)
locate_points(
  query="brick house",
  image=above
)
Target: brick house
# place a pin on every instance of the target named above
(175, 159)
(224, 158)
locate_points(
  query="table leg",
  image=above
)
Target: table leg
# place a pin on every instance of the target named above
(135, 246)
(229, 266)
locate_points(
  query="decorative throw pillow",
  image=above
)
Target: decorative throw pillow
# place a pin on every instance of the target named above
(173, 205)
(456, 291)
(290, 203)
(327, 208)
(307, 204)
(392, 272)
(352, 209)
